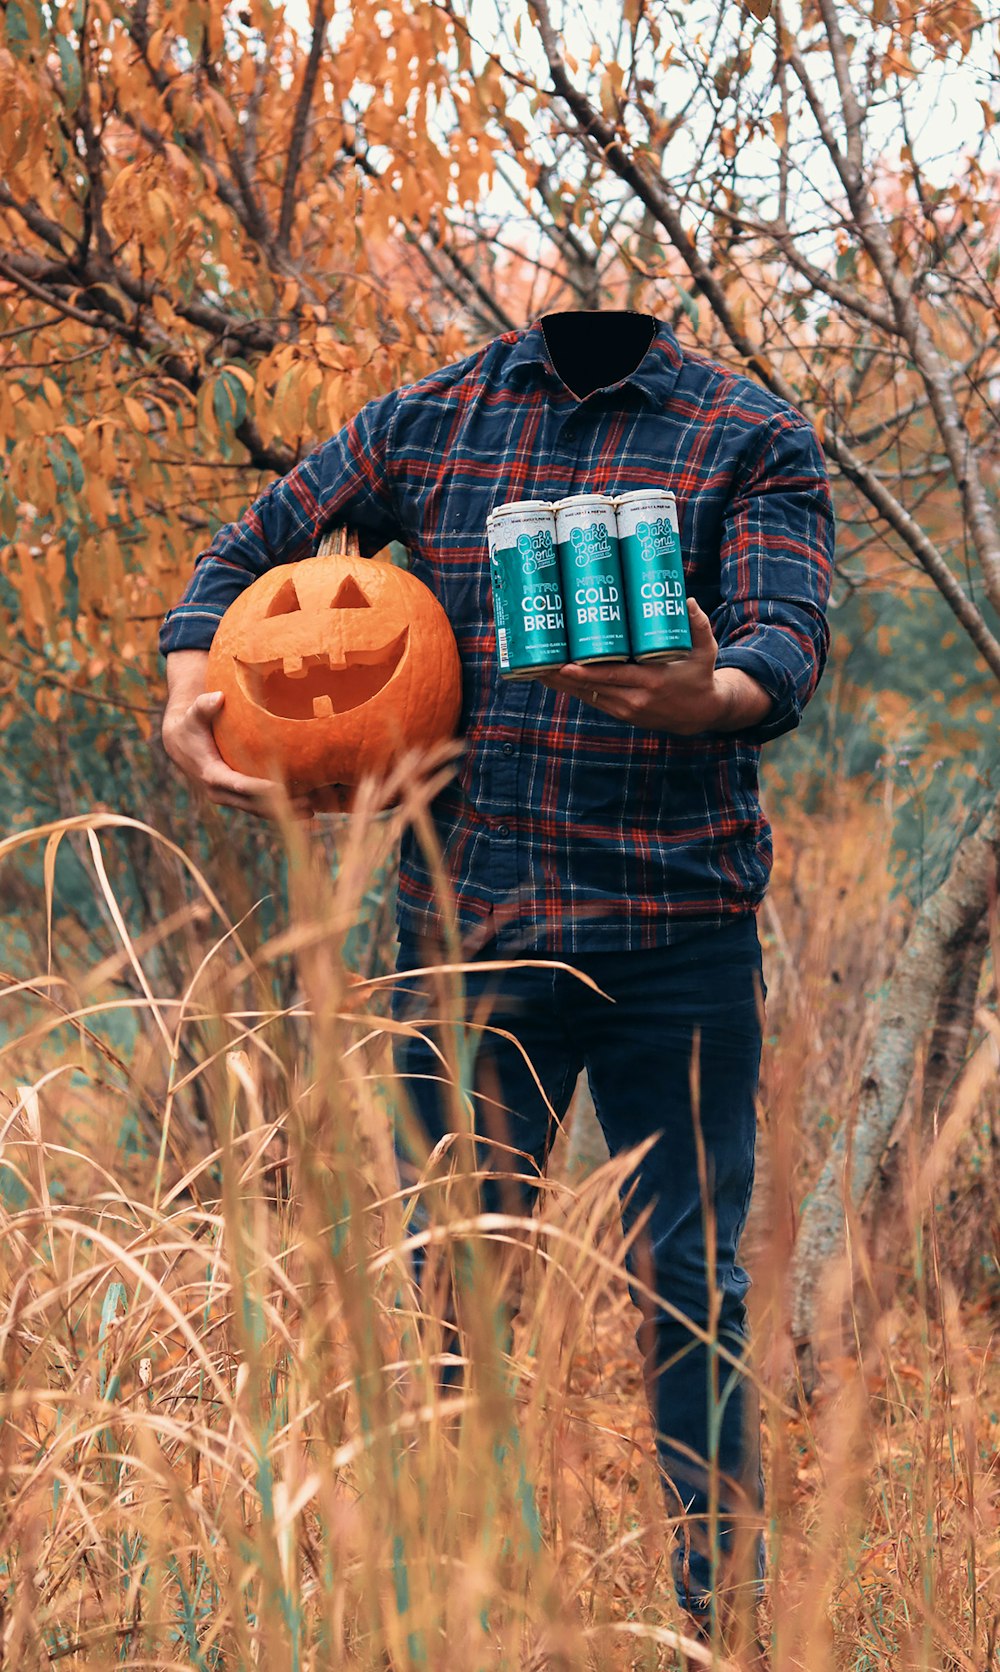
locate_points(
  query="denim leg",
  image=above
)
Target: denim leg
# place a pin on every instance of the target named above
(639, 1055)
(510, 1113)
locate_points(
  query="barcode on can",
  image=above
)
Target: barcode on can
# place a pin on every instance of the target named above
(502, 647)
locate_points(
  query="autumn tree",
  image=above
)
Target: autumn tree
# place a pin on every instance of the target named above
(206, 265)
(222, 229)
(201, 274)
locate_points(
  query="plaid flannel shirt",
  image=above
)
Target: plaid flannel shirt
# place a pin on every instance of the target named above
(565, 829)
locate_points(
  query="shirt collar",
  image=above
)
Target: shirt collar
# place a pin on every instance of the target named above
(655, 375)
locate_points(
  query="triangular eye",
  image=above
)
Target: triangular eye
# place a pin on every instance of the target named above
(350, 596)
(285, 600)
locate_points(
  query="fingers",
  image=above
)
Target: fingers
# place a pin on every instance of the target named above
(608, 682)
(253, 795)
(189, 740)
(222, 798)
(701, 628)
(555, 682)
(223, 787)
(224, 783)
(610, 676)
(620, 702)
(218, 776)
(633, 681)
(572, 687)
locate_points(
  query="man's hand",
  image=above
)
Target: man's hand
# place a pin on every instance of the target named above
(188, 740)
(682, 697)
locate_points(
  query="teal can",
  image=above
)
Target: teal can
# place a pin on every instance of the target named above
(527, 595)
(591, 574)
(653, 571)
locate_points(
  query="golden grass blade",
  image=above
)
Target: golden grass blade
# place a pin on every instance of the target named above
(119, 923)
(49, 876)
(92, 822)
(695, 1651)
(980, 1073)
(119, 1256)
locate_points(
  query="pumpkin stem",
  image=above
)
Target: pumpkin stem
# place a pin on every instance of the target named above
(339, 542)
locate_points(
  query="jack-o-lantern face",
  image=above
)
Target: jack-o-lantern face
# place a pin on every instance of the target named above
(331, 668)
(300, 682)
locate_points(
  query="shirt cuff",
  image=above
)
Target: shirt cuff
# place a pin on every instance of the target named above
(188, 630)
(772, 678)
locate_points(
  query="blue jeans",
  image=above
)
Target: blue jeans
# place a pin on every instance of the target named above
(638, 1055)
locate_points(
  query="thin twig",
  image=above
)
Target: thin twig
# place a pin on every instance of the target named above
(300, 121)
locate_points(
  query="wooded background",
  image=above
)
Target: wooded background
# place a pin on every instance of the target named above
(222, 229)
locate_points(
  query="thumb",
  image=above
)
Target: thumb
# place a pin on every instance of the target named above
(701, 627)
(208, 704)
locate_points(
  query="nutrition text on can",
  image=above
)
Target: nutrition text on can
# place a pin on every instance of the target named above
(653, 572)
(527, 597)
(589, 566)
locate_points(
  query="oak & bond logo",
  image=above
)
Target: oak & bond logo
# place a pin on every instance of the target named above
(536, 551)
(590, 545)
(656, 539)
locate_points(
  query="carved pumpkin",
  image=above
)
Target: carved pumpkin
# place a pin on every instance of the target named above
(331, 669)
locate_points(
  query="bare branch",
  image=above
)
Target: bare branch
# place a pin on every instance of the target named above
(300, 121)
(899, 519)
(848, 98)
(780, 235)
(934, 372)
(473, 284)
(99, 315)
(99, 275)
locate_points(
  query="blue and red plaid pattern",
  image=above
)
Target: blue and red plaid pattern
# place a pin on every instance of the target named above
(564, 829)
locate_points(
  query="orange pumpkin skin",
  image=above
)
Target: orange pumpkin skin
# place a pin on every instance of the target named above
(331, 669)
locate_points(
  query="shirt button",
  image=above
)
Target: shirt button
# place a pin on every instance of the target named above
(508, 749)
(503, 829)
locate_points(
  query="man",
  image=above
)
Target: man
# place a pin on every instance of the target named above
(606, 816)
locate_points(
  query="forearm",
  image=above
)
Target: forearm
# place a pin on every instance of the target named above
(185, 680)
(783, 656)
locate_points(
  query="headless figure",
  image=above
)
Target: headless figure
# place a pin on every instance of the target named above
(593, 350)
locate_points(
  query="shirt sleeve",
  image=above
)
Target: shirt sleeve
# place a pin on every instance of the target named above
(345, 480)
(776, 571)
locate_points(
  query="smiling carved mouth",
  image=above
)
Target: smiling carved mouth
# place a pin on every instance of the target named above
(317, 687)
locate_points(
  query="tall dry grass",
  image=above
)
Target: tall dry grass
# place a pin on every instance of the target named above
(224, 1444)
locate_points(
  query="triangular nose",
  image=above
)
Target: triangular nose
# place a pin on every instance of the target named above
(350, 596)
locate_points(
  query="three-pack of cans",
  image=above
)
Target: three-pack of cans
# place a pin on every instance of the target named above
(591, 578)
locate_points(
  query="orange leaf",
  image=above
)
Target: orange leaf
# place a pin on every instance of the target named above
(99, 501)
(138, 417)
(245, 377)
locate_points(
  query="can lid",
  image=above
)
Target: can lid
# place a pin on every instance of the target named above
(584, 499)
(521, 505)
(645, 493)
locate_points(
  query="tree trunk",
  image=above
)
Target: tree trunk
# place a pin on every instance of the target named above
(925, 996)
(953, 1023)
(946, 1056)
